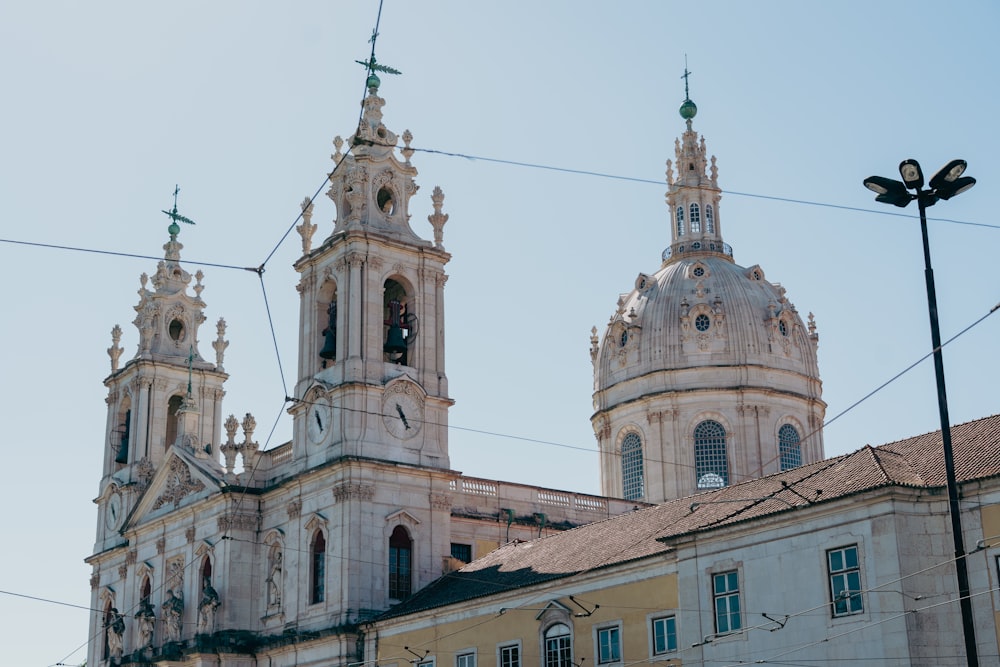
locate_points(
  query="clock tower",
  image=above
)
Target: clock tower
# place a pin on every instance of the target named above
(166, 396)
(371, 369)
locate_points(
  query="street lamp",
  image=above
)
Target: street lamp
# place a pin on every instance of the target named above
(945, 184)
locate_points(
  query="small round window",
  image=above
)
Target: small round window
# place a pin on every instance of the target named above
(698, 271)
(176, 329)
(696, 245)
(385, 202)
(782, 327)
(702, 323)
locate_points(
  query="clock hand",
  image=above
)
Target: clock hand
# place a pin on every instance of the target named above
(319, 422)
(402, 416)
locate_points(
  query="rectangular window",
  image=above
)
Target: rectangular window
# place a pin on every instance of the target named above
(845, 580)
(726, 594)
(609, 647)
(510, 656)
(465, 660)
(462, 552)
(664, 635)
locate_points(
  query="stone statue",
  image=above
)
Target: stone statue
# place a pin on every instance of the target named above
(274, 581)
(173, 608)
(116, 631)
(206, 609)
(146, 618)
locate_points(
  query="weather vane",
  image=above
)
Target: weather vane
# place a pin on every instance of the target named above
(373, 66)
(174, 215)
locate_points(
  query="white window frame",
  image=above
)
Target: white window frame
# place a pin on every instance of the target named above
(516, 645)
(845, 572)
(466, 657)
(599, 630)
(728, 594)
(651, 620)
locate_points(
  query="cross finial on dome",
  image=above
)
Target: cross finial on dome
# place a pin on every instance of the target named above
(373, 66)
(688, 108)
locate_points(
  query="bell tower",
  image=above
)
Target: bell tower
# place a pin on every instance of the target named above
(167, 395)
(371, 373)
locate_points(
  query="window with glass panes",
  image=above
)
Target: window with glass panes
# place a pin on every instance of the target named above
(695, 219)
(608, 645)
(558, 646)
(632, 486)
(465, 660)
(789, 449)
(710, 452)
(845, 580)
(664, 635)
(726, 595)
(510, 656)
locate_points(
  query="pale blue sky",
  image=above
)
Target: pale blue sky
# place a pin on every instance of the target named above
(108, 105)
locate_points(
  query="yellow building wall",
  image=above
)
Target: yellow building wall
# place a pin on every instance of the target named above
(631, 604)
(990, 516)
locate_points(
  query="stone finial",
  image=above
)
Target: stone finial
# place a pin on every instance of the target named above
(338, 143)
(715, 173)
(198, 287)
(594, 344)
(220, 344)
(307, 228)
(229, 448)
(813, 335)
(249, 446)
(670, 172)
(437, 219)
(115, 351)
(407, 151)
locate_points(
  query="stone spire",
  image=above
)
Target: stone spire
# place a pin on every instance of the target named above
(693, 195)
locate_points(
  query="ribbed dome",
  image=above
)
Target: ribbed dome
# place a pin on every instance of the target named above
(706, 374)
(704, 312)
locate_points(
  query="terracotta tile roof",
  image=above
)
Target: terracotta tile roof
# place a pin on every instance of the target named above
(914, 462)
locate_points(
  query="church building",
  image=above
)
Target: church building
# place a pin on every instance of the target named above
(210, 551)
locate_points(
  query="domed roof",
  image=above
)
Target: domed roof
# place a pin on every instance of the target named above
(705, 367)
(704, 311)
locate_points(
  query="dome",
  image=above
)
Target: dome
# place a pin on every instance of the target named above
(706, 374)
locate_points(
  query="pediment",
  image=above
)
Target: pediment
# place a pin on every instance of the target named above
(402, 516)
(554, 608)
(181, 480)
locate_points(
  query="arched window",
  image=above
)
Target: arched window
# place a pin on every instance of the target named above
(789, 449)
(400, 557)
(173, 405)
(680, 221)
(317, 569)
(400, 324)
(121, 435)
(711, 465)
(328, 351)
(632, 486)
(709, 219)
(695, 219)
(558, 646)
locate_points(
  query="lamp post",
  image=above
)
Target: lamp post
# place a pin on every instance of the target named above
(945, 184)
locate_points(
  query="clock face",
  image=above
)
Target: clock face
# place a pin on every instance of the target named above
(402, 414)
(319, 420)
(113, 513)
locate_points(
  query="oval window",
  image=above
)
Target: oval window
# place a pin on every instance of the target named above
(176, 330)
(702, 323)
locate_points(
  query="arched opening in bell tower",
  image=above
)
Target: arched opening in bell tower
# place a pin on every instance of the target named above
(326, 314)
(173, 405)
(120, 436)
(400, 324)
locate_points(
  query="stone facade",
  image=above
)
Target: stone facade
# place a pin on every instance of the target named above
(210, 551)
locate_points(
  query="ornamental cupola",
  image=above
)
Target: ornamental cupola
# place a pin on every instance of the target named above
(693, 195)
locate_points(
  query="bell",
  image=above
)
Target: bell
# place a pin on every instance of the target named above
(395, 344)
(329, 350)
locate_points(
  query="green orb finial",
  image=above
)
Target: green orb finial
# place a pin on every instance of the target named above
(373, 82)
(174, 229)
(688, 110)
